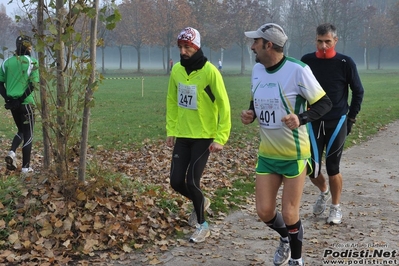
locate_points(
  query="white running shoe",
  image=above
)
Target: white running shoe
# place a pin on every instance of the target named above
(200, 233)
(335, 216)
(27, 172)
(192, 220)
(282, 254)
(320, 206)
(293, 262)
(11, 161)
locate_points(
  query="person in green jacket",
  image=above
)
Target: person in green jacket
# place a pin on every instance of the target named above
(198, 121)
(18, 74)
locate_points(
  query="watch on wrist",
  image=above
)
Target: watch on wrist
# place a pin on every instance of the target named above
(303, 119)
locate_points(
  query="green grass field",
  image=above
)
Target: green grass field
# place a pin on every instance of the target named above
(131, 112)
(128, 111)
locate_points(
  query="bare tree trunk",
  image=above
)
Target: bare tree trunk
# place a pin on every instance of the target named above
(88, 95)
(163, 57)
(61, 160)
(379, 58)
(120, 56)
(222, 55)
(242, 59)
(168, 57)
(250, 57)
(138, 49)
(102, 59)
(343, 46)
(43, 92)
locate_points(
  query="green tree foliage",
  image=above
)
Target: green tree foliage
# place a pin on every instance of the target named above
(67, 76)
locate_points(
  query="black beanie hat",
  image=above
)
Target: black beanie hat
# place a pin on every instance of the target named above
(23, 42)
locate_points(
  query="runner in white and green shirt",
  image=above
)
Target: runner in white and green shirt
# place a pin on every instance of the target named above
(281, 89)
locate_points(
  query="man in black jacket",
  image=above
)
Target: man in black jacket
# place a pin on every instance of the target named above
(336, 73)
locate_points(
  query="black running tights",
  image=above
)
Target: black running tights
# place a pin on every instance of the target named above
(188, 163)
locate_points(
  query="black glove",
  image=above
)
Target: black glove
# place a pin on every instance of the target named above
(349, 124)
(12, 104)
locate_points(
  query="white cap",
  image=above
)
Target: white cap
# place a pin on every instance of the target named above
(271, 32)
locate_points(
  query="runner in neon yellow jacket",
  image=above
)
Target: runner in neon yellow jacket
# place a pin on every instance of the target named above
(197, 104)
(198, 122)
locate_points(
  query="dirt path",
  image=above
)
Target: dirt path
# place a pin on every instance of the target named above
(370, 226)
